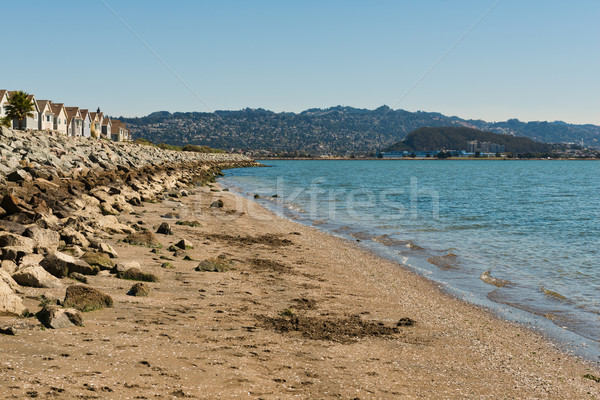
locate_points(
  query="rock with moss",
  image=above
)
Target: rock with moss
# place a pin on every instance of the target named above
(139, 289)
(78, 277)
(143, 238)
(60, 265)
(167, 265)
(135, 274)
(85, 298)
(193, 224)
(100, 260)
(215, 265)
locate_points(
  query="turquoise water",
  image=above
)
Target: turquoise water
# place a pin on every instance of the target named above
(535, 224)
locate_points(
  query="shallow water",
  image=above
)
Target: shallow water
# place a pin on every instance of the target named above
(534, 224)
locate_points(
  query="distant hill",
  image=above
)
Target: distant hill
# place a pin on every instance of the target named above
(336, 130)
(456, 138)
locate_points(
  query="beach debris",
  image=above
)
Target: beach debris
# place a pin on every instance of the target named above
(552, 294)
(490, 280)
(139, 289)
(217, 204)
(445, 262)
(346, 329)
(85, 298)
(193, 224)
(405, 321)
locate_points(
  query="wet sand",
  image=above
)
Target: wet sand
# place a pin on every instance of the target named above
(301, 314)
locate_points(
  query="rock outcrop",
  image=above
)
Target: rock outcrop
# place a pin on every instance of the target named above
(60, 201)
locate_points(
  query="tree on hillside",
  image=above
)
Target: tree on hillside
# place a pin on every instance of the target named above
(19, 107)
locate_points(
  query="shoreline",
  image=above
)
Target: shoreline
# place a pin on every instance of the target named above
(276, 325)
(569, 341)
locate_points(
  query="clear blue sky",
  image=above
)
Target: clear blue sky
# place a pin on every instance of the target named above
(532, 60)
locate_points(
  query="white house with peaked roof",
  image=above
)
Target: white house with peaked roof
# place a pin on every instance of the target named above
(60, 118)
(97, 118)
(120, 133)
(74, 121)
(107, 128)
(3, 102)
(46, 115)
(86, 125)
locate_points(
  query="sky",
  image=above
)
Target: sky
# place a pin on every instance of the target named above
(481, 59)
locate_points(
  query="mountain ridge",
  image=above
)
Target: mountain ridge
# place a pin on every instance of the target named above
(339, 130)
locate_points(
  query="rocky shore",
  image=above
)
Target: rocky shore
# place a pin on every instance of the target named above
(60, 201)
(127, 274)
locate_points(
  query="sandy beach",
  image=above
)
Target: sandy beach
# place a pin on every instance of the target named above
(294, 313)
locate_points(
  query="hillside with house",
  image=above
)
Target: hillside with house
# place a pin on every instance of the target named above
(51, 116)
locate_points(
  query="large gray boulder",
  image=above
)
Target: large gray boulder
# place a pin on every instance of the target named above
(60, 265)
(73, 237)
(36, 276)
(10, 303)
(46, 239)
(55, 317)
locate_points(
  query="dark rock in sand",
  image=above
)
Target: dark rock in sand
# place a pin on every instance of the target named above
(135, 274)
(217, 204)
(78, 277)
(179, 253)
(167, 265)
(164, 229)
(55, 317)
(184, 244)
(140, 289)
(85, 298)
(60, 265)
(143, 238)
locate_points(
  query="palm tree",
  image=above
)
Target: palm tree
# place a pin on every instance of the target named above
(19, 107)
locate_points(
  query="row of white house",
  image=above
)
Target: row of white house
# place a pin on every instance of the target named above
(70, 121)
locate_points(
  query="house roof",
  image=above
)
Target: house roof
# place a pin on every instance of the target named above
(95, 116)
(57, 107)
(72, 112)
(117, 125)
(43, 104)
(84, 114)
(106, 121)
(3, 92)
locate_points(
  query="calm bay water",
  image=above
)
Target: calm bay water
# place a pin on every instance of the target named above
(535, 224)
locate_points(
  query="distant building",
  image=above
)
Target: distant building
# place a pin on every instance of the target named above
(86, 124)
(474, 146)
(46, 116)
(119, 131)
(74, 121)
(29, 123)
(60, 118)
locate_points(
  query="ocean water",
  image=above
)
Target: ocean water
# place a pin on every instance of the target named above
(532, 225)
